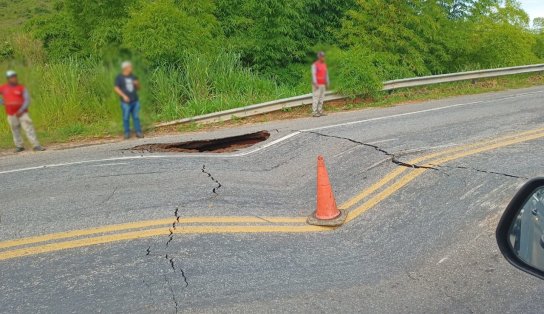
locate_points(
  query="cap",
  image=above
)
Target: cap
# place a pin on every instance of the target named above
(10, 73)
(320, 54)
(126, 64)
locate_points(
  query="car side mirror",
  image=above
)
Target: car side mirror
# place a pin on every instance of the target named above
(520, 234)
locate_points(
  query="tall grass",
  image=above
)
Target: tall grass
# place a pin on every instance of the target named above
(74, 98)
(70, 98)
(205, 84)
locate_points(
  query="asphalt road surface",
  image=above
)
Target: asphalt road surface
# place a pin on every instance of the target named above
(110, 230)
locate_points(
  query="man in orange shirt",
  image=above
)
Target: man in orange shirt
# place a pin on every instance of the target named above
(320, 83)
(16, 101)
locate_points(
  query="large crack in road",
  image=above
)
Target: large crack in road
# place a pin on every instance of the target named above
(394, 159)
(392, 156)
(171, 260)
(482, 171)
(169, 256)
(219, 185)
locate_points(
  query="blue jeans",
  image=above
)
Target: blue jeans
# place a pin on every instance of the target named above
(132, 109)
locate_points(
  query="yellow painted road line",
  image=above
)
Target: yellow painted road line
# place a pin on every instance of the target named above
(437, 162)
(146, 224)
(403, 181)
(485, 149)
(373, 188)
(397, 172)
(53, 247)
(385, 193)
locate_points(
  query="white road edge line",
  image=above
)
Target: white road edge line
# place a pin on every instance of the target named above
(112, 164)
(421, 111)
(263, 147)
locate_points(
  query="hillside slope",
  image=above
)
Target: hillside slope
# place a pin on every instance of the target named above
(14, 13)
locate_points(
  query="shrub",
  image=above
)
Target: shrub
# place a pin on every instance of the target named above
(28, 50)
(6, 51)
(269, 34)
(354, 72)
(500, 45)
(163, 31)
(202, 84)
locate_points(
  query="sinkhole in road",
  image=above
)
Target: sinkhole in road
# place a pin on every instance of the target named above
(219, 145)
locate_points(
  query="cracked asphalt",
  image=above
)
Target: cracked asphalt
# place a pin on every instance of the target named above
(427, 248)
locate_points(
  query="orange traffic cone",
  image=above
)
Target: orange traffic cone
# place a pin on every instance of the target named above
(327, 213)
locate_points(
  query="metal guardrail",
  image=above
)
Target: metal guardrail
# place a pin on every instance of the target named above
(302, 100)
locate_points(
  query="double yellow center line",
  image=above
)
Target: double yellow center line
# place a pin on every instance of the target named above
(378, 192)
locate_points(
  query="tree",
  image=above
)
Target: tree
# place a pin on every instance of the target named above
(538, 29)
(457, 9)
(99, 21)
(538, 25)
(499, 44)
(163, 31)
(82, 28)
(268, 33)
(410, 33)
(510, 12)
(277, 37)
(323, 18)
(57, 32)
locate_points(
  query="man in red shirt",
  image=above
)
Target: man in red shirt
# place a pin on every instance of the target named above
(16, 101)
(320, 83)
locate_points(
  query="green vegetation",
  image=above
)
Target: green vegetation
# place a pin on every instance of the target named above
(196, 57)
(15, 13)
(396, 97)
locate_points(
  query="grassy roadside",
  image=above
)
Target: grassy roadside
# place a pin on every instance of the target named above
(73, 100)
(79, 134)
(398, 97)
(15, 13)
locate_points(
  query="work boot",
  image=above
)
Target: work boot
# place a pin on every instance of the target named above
(19, 149)
(39, 149)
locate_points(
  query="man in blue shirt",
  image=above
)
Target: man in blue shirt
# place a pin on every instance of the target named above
(127, 86)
